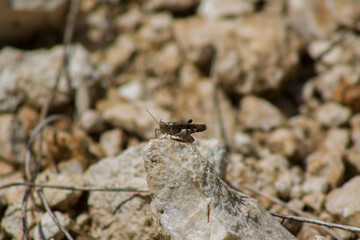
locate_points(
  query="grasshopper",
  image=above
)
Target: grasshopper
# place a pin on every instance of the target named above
(178, 129)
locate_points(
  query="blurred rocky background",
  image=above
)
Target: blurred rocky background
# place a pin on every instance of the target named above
(277, 83)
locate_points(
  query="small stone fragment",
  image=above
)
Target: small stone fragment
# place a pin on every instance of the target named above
(120, 215)
(47, 229)
(111, 142)
(128, 21)
(215, 152)
(70, 174)
(328, 164)
(315, 201)
(226, 8)
(315, 185)
(131, 91)
(91, 121)
(344, 202)
(243, 143)
(282, 141)
(118, 54)
(332, 114)
(257, 113)
(34, 72)
(337, 138)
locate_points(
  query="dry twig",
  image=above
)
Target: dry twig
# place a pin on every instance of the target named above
(283, 204)
(318, 222)
(69, 29)
(52, 215)
(73, 188)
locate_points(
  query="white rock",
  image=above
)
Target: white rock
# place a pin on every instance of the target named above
(332, 114)
(131, 91)
(282, 141)
(213, 150)
(191, 202)
(47, 229)
(327, 164)
(344, 202)
(224, 8)
(243, 143)
(111, 142)
(34, 73)
(70, 174)
(119, 215)
(315, 185)
(337, 138)
(91, 121)
(257, 113)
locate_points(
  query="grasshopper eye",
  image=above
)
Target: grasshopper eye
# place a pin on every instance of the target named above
(190, 120)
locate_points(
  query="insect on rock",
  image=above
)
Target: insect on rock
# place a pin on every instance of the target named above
(181, 130)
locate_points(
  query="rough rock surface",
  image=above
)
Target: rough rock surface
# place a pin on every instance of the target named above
(120, 215)
(67, 173)
(343, 202)
(189, 201)
(30, 76)
(257, 113)
(47, 229)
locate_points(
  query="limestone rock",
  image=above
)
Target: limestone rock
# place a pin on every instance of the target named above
(315, 185)
(157, 30)
(33, 73)
(337, 138)
(133, 117)
(118, 54)
(191, 202)
(312, 19)
(29, 117)
(257, 113)
(47, 229)
(111, 142)
(244, 143)
(332, 114)
(120, 215)
(282, 141)
(91, 121)
(228, 8)
(343, 202)
(308, 133)
(12, 220)
(70, 174)
(328, 164)
(241, 51)
(131, 91)
(318, 19)
(212, 150)
(129, 20)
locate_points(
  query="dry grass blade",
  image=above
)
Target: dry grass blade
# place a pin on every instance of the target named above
(52, 215)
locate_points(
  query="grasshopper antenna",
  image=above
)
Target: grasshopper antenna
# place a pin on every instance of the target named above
(152, 117)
